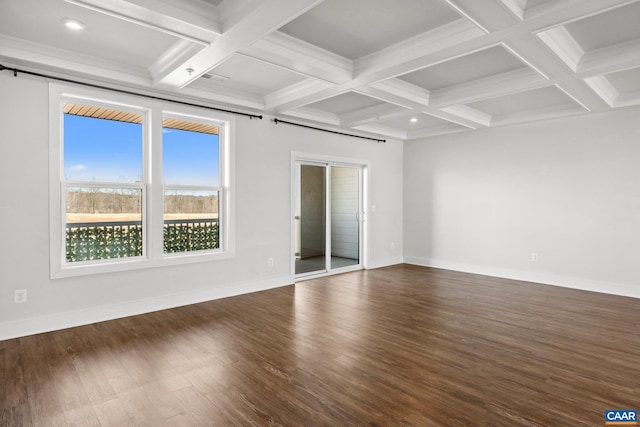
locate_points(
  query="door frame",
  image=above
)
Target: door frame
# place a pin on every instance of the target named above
(319, 159)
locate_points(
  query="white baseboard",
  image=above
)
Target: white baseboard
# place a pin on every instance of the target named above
(36, 325)
(385, 262)
(622, 289)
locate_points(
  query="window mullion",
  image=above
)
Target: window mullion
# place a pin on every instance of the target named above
(155, 192)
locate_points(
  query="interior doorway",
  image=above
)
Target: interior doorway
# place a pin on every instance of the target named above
(328, 217)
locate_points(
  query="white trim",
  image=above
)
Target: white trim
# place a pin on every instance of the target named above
(385, 262)
(153, 190)
(603, 88)
(517, 7)
(52, 322)
(621, 289)
(308, 276)
(363, 176)
(468, 16)
(562, 43)
(161, 22)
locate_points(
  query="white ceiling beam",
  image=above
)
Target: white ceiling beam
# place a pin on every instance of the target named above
(373, 74)
(223, 95)
(539, 114)
(585, 95)
(372, 114)
(502, 84)
(610, 59)
(517, 7)
(443, 129)
(314, 115)
(392, 98)
(563, 45)
(288, 52)
(532, 51)
(405, 90)
(197, 25)
(298, 95)
(603, 88)
(56, 59)
(189, 15)
(171, 58)
(416, 52)
(470, 114)
(100, 71)
(458, 38)
(415, 106)
(568, 10)
(628, 99)
(489, 16)
(267, 17)
(444, 115)
(389, 132)
(388, 62)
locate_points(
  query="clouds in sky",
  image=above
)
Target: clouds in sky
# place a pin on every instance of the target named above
(77, 168)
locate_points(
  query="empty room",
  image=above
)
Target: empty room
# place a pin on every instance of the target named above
(319, 212)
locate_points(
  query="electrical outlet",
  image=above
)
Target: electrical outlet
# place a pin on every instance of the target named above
(269, 262)
(20, 296)
(534, 257)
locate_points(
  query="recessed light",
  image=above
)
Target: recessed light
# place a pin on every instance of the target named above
(413, 119)
(73, 24)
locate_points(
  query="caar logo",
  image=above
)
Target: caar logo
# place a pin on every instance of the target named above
(621, 417)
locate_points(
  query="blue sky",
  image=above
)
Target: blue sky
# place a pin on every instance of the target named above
(106, 150)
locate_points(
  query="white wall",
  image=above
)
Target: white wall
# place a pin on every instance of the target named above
(263, 186)
(568, 190)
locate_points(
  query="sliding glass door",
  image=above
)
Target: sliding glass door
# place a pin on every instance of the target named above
(328, 214)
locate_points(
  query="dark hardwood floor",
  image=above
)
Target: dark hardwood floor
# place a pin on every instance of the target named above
(397, 346)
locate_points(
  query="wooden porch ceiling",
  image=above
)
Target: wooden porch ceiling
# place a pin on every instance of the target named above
(129, 117)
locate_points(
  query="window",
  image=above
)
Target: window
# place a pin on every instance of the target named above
(103, 185)
(136, 184)
(191, 177)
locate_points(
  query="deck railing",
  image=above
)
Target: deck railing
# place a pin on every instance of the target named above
(121, 239)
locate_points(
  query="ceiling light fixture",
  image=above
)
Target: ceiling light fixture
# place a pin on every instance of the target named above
(413, 119)
(190, 70)
(73, 24)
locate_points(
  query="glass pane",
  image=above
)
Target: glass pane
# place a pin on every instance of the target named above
(190, 221)
(345, 218)
(312, 219)
(190, 157)
(99, 149)
(103, 223)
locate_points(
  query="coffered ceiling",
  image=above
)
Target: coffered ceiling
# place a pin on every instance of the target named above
(401, 69)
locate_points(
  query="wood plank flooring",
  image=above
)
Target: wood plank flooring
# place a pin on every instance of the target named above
(397, 346)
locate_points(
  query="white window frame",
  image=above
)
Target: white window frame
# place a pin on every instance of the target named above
(153, 112)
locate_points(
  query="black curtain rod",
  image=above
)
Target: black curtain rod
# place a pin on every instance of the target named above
(381, 141)
(158, 98)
